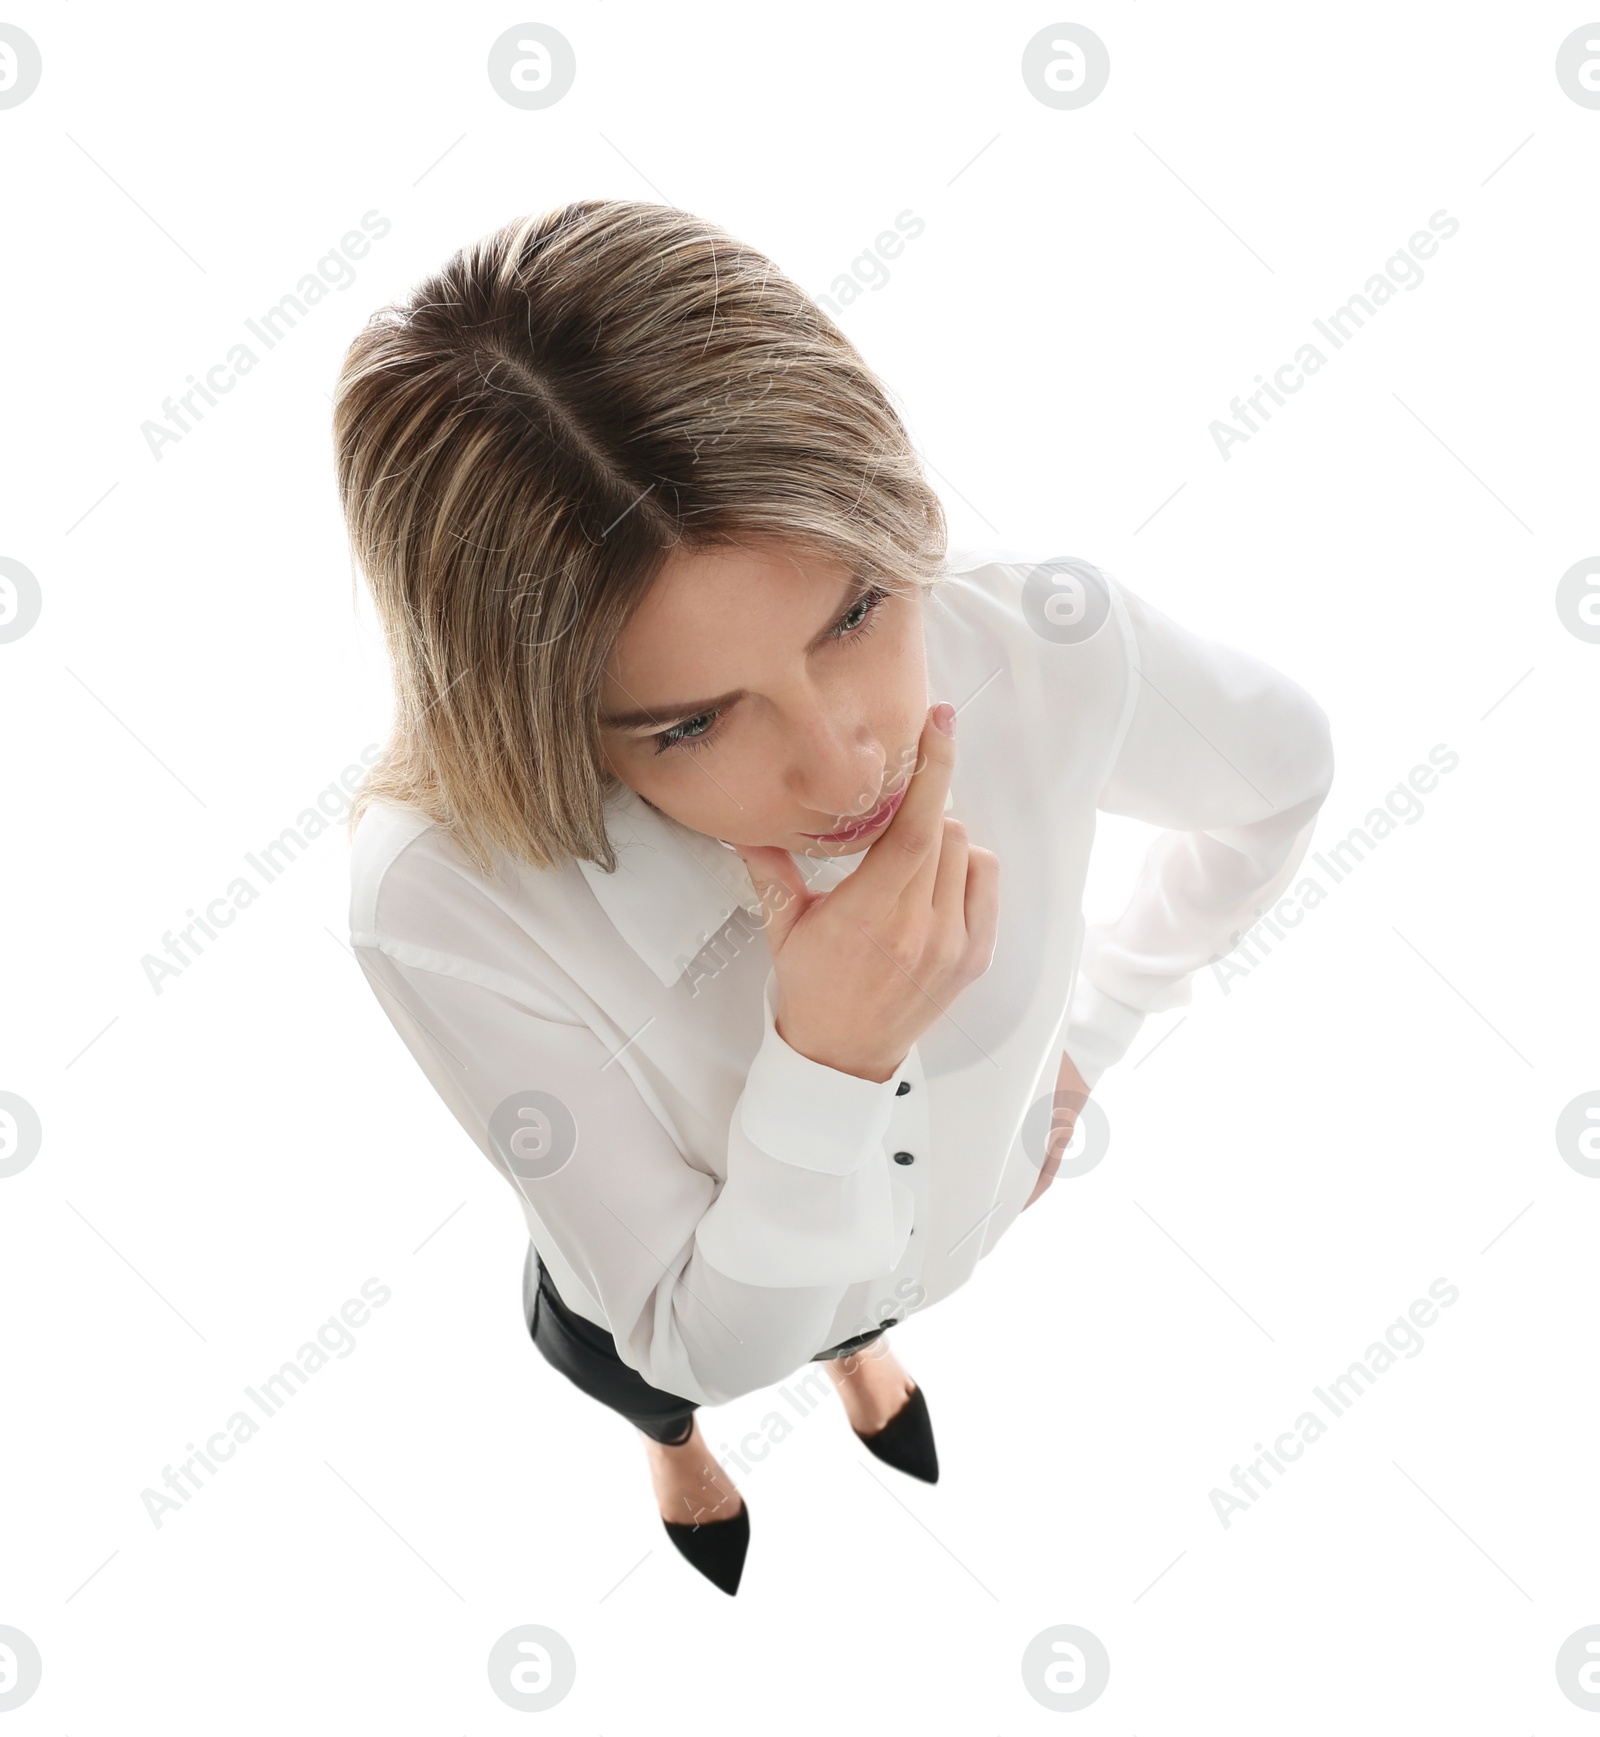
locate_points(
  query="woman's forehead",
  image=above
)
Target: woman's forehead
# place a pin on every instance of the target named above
(714, 618)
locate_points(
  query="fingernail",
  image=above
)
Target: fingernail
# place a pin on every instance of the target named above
(944, 718)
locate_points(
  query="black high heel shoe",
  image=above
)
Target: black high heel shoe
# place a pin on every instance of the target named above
(906, 1440)
(716, 1548)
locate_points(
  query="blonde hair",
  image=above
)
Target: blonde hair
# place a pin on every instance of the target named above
(523, 442)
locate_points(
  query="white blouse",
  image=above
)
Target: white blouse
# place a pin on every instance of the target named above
(726, 1207)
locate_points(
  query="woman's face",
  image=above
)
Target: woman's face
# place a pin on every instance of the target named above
(771, 698)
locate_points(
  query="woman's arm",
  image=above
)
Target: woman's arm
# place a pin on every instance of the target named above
(711, 1290)
(1232, 759)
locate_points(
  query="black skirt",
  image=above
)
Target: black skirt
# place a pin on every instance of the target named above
(587, 1356)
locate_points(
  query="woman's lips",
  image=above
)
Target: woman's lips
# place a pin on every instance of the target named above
(880, 816)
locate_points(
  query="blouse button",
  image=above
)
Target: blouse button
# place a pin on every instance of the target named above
(901, 1089)
(904, 1158)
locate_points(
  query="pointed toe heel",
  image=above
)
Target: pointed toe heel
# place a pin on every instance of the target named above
(716, 1547)
(906, 1440)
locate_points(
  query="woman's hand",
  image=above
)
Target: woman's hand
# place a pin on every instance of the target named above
(865, 969)
(1070, 1096)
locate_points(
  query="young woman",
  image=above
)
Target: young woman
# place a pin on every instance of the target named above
(678, 877)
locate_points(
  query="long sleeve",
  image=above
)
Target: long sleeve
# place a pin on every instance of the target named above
(809, 1197)
(1233, 760)
(711, 1289)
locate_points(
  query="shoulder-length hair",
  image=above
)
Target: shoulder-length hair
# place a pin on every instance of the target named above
(521, 444)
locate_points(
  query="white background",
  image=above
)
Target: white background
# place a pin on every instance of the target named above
(223, 1164)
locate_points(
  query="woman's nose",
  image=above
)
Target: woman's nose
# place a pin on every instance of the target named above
(853, 790)
(836, 769)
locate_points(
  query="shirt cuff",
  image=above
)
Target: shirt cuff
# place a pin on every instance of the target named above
(1099, 1030)
(807, 1114)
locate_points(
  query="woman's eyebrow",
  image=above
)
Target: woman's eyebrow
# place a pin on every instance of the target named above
(663, 717)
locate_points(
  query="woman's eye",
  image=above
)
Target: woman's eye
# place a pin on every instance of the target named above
(684, 735)
(856, 622)
(849, 623)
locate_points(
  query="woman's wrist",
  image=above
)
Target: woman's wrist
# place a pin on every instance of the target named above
(873, 1068)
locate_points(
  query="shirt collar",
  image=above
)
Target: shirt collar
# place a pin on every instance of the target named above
(673, 888)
